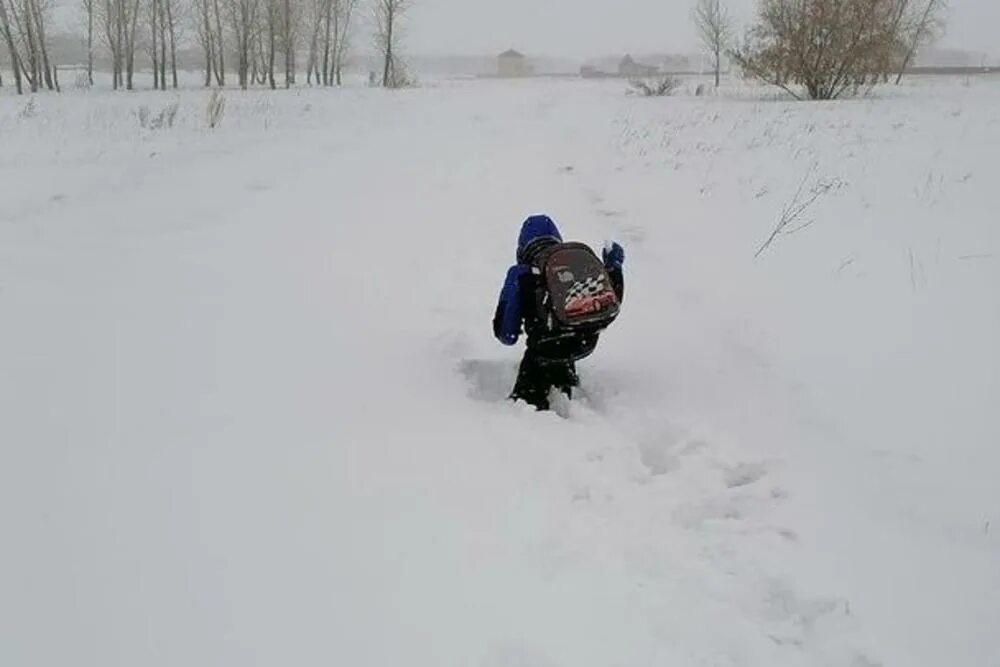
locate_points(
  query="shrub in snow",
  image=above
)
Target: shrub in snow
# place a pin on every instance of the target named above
(29, 110)
(655, 87)
(164, 119)
(216, 108)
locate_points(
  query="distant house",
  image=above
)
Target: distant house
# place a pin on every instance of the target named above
(512, 63)
(629, 68)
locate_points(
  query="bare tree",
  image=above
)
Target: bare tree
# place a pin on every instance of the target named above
(220, 45)
(203, 30)
(711, 18)
(130, 31)
(388, 19)
(289, 23)
(918, 22)
(88, 8)
(330, 28)
(23, 23)
(315, 13)
(211, 39)
(344, 12)
(829, 47)
(171, 23)
(269, 33)
(155, 38)
(327, 21)
(8, 35)
(111, 35)
(120, 19)
(38, 12)
(243, 24)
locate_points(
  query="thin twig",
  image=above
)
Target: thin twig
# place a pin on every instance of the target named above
(846, 263)
(798, 228)
(797, 206)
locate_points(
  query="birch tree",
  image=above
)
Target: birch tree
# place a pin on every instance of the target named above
(88, 10)
(119, 21)
(290, 12)
(243, 25)
(714, 26)
(8, 35)
(344, 13)
(388, 28)
(919, 21)
(209, 33)
(23, 24)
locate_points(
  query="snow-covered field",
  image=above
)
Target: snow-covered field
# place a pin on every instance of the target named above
(251, 412)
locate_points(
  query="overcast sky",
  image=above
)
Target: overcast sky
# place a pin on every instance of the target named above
(581, 28)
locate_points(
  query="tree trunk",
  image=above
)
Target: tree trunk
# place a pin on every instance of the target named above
(119, 43)
(718, 66)
(18, 83)
(156, 65)
(40, 31)
(173, 44)
(328, 10)
(915, 43)
(289, 45)
(220, 44)
(15, 60)
(388, 73)
(386, 70)
(208, 67)
(345, 26)
(32, 65)
(163, 44)
(313, 48)
(242, 45)
(90, 42)
(335, 56)
(272, 46)
(130, 44)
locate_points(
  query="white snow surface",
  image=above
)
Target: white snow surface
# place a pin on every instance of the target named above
(251, 411)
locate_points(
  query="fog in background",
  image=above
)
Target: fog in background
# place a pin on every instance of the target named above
(584, 28)
(463, 36)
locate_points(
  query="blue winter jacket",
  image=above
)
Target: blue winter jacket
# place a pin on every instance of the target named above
(536, 230)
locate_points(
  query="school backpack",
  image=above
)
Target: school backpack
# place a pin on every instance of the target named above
(573, 293)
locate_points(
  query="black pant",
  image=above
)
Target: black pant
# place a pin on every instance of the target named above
(535, 378)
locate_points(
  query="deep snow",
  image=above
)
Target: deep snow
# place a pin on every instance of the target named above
(251, 412)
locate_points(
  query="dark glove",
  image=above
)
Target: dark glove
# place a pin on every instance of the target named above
(614, 255)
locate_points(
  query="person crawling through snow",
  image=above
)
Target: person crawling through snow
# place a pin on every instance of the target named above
(563, 297)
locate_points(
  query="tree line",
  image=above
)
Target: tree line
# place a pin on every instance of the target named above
(820, 49)
(260, 41)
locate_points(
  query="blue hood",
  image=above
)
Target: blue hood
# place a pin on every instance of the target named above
(535, 228)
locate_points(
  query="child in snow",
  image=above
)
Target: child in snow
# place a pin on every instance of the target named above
(559, 293)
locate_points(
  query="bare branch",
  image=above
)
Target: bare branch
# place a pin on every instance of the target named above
(714, 26)
(388, 30)
(799, 204)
